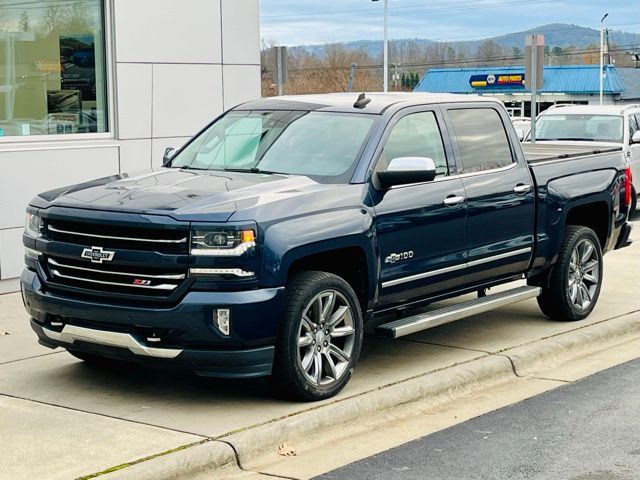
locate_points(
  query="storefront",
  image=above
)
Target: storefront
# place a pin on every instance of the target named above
(573, 84)
(90, 88)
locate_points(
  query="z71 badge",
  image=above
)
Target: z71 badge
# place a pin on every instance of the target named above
(396, 257)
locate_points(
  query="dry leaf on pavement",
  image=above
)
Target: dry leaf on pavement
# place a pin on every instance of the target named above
(286, 450)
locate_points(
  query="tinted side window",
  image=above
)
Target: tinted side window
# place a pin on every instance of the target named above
(482, 139)
(416, 135)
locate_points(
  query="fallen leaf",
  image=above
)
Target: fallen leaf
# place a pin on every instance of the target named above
(2, 333)
(286, 450)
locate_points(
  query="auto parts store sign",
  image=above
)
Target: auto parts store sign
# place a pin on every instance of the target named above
(497, 80)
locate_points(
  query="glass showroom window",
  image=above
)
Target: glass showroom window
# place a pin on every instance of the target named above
(52, 67)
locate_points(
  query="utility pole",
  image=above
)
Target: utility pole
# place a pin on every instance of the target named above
(602, 58)
(352, 75)
(385, 48)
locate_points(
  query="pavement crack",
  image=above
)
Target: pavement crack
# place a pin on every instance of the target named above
(513, 365)
(29, 358)
(408, 340)
(553, 379)
(104, 415)
(241, 467)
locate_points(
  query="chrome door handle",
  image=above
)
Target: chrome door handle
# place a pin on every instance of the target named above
(453, 200)
(522, 189)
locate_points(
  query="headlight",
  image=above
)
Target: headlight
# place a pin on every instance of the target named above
(33, 225)
(222, 243)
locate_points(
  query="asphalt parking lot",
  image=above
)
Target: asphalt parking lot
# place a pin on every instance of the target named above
(61, 419)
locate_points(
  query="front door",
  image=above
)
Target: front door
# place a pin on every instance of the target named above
(420, 228)
(499, 194)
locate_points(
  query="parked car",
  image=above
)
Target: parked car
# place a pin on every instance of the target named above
(522, 126)
(596, 125)
(266, 244)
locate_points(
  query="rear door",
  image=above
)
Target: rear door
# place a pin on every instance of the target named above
(499, 193)
(420, 228)
(633, 154)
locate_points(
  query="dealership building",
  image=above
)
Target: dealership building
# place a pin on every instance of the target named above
(91, 88)
(572, 84)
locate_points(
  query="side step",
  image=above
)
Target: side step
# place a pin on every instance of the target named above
(423, 321)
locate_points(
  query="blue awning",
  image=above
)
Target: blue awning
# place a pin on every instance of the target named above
(572, 79)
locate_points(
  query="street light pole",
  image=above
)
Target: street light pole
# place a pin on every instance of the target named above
(602, 58)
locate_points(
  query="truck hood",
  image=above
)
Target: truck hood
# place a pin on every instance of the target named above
(182, 194)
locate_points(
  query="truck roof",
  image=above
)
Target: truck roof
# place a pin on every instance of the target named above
(591, 109)
(343, 102)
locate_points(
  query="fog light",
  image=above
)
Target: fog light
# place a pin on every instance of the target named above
(222, 319)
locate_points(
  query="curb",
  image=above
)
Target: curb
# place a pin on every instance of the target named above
(398, 399)
(178, 465)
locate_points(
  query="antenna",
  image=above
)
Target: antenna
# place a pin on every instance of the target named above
(362, 101)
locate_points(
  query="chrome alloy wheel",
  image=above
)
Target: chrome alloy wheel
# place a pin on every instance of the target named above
(326, 338)
(584, 274)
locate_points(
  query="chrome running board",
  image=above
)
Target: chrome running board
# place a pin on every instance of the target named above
(72, 333)
(423, 321)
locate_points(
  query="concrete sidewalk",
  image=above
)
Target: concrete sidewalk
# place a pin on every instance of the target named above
(61, 419)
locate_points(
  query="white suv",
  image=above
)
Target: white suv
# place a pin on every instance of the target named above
(596, 125)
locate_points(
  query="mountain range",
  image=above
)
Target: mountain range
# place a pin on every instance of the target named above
(556, 35)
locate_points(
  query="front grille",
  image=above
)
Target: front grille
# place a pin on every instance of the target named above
(163, 240)
(109, 278)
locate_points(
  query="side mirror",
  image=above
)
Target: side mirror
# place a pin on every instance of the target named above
(407, 170)
(636, 137)
(169, 153)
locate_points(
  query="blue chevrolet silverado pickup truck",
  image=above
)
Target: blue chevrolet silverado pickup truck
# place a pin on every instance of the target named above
(267, 244)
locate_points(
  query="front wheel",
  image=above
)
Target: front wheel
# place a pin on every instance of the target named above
(320, 337)
(576, 278)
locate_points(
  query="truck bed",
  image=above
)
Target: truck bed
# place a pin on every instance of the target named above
(543, 152)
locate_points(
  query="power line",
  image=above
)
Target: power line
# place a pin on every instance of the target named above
(620, 48)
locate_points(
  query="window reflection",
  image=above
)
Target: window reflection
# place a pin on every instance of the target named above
(52, 67)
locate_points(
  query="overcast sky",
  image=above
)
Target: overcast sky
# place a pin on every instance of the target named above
(293, 22)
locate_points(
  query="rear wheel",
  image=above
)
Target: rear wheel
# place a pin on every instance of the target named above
(576, 278)
(320, 337)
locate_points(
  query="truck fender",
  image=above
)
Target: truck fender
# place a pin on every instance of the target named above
(296, 238)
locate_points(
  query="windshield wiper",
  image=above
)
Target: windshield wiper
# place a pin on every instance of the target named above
(253, 170)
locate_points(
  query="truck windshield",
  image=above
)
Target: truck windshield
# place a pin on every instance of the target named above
(317, 144)
(580, 127)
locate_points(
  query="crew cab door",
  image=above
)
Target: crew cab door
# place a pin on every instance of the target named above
(499, 193)
(633, 152)
(420, 228)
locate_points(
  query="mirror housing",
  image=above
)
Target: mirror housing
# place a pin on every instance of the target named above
(169, 153)
(636, 137)
(407, 170)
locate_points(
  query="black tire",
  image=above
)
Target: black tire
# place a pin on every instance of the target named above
(556, 299)
(99, 361)
(634, 203)
(290, 378)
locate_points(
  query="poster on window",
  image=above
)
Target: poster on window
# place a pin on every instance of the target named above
(78, 64)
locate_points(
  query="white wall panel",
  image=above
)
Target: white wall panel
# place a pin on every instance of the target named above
(135, 155)
(185, 98)
(161, 144)
(241, 83)
(29, 172)
(168, 31)
(241, 31)
(135, 84)
(11, 253)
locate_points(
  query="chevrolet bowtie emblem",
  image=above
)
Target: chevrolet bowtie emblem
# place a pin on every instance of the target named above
(97, 255)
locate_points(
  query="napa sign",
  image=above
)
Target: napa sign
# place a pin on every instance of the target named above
(507, 80)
